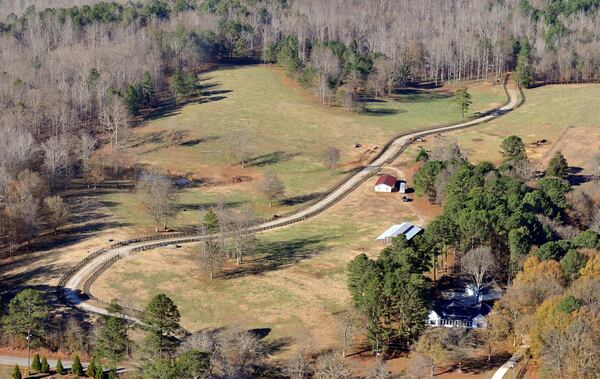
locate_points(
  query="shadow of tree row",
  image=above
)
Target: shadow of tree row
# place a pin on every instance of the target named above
(278, 255)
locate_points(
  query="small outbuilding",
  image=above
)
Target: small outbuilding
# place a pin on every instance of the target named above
(402, 188)
(385, 183)
(406, 229)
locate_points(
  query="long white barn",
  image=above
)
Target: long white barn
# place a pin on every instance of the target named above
(406, 228)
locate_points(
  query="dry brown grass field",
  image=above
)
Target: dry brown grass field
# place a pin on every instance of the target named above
(295, 286)
(289, 130)
(567, 116)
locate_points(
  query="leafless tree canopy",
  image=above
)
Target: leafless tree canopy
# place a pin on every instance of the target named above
(158, 196)
(332, 366)
(331, 157)
(478, 265)
(271, 186)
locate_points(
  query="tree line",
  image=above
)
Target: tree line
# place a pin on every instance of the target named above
(156, 348)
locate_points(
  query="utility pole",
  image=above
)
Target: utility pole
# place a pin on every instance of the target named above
(28, 349)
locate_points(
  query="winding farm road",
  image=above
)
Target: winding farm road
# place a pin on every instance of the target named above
(75, 281)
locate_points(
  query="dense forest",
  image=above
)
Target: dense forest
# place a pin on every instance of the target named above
(77, 74)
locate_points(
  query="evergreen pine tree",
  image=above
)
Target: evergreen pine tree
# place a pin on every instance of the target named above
(59, 367)
(557, 166)
(148, 90)
(133, 98)
(524, 71)
(99, 371)
(210, 221)
(16, 372)
(36, 364)
(77, 368)
(91, 369)
(463, 100)
(45, 366)
(178, 83)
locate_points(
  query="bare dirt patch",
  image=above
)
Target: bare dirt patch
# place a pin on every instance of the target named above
(578, 145)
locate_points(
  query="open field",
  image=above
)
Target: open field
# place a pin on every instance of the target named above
(283, 122)
(567, 116)
(296, 286)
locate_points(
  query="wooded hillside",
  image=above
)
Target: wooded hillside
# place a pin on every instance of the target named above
(79, 73)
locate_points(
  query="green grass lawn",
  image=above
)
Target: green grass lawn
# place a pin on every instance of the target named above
(289, 131)
(548, 111)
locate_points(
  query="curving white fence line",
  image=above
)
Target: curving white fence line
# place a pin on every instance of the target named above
(74, 286)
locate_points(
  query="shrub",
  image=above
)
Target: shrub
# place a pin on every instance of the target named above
(588, 239)
(59, 367)
(16, 372)
(569, 304)
(553, 250)
(45, 366)
(99, 374)
(77, 368)
(91, 369)
(36, 365)
(572, 263)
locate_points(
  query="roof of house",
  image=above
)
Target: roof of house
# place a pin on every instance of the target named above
(457, 304)
(406, 228)
(454, 309)
(388, 180)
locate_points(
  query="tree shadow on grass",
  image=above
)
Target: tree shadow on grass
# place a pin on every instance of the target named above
(172, 108)
(278, 255)
(197, 141)
(217, 92)
(301, 199)
(575, 177)
(271, 158)
(415, 95)
(381, 111)
(479, 365)
(208, 205)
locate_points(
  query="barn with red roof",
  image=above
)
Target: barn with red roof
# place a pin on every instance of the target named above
(385, 183)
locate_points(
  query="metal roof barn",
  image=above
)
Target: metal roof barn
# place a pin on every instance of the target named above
(406, 228)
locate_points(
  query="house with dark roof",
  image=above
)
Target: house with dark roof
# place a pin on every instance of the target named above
(385, 183)
(463, 308)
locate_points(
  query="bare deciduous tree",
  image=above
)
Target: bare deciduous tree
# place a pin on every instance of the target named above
(85, 147)
(58, 212)
(299, 366)
(332, 366)
(242, 238)
(331, 158)
(352, 324)
(419, 367)
(211, 257)
(114, 120)
(158, 197)
(271, 186)
(447, 152)
(239, 147)
(573, 352)
(56, 157)
(380, 371)
(240, 352)
(327, 65)
(478, 265)
(17, 149)
(524, 170)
